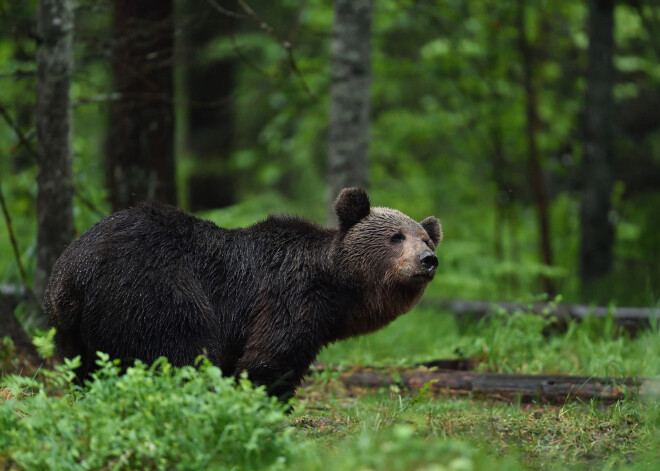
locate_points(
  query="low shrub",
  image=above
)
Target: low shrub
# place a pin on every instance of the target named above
(157, 417)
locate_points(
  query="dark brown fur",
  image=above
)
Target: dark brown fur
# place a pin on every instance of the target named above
(154, 281)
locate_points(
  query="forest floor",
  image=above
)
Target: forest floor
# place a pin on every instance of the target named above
(338, 423)
(394, 429)
(387, 426)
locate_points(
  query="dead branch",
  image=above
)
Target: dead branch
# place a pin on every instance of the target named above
(12, 238)
(288, 46)
(21, 137)
(222, 10)
(552, 389)
(627, 316)
(24, 140)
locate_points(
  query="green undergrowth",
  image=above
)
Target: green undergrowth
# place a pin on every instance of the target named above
(463, 433)
(390, 431)
(507, 343)
(161, 417)
(155, 417)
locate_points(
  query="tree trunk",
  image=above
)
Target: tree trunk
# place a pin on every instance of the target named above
(533, 160)
(210, 115)
(349, 98)
(54, 136)
(596, 229)
(141, 141)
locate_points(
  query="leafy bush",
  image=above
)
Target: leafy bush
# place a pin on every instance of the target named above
(157, 417)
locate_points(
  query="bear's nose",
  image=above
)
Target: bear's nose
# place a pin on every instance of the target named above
(428, 260)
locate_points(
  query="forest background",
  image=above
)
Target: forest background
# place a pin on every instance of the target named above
(530, 128)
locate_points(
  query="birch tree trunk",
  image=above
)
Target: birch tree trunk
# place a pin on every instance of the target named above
(54, 136)
(349, 99)
(596, 230)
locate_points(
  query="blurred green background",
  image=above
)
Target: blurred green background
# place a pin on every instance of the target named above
(449, 131)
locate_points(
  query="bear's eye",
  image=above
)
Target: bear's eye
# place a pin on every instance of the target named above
(397, 238)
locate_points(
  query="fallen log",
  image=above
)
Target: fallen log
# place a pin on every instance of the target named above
(551, 389)
(626, 316)
(454, 364)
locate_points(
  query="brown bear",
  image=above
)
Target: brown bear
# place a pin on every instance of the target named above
(155, 281)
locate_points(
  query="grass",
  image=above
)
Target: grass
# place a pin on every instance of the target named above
(394, 430)
(506, 436)
(332, 428)
(518, 343)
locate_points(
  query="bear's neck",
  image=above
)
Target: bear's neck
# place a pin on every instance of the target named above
(370, 308)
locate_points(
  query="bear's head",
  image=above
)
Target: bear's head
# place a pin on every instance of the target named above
(391, 256)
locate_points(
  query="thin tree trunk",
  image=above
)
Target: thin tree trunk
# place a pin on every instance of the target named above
(54, 136)
(533, 159)
(141, 141)
(596, 230)
(349, 98)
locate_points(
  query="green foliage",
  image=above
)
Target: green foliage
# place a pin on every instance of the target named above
(448, 131)
(156, 417)
(7, 353)
(399, 448)
(507, 343)
(45, 343)
(390, 431)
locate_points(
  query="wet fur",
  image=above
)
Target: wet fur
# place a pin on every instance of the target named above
(154, 281)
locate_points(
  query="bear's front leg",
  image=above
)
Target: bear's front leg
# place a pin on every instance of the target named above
(280, 371)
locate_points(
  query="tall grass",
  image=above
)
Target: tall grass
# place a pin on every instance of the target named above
(519, 342)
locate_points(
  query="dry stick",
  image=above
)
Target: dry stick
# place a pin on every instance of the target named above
(243, 57)
(222, 10)
(286, 45)
(5, 211)
(12, 239)
(18, 132)
(232, 14)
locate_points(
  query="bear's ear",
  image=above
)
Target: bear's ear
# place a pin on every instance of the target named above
(433, 228)
(351, 206)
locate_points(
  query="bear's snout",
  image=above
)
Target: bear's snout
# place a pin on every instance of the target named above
(429, 261)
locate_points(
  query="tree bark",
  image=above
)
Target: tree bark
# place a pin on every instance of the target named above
(54, 136)
(141, 140)
(533, 160)
(350, 78)
(596, 229)
(210, 116)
